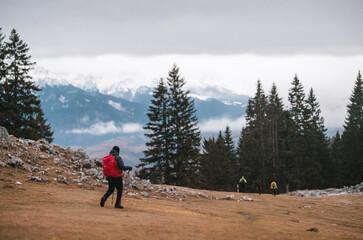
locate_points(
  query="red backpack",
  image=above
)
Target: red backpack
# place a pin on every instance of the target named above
(110, 168)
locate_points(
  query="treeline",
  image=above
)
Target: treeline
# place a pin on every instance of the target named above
(288, 145)
(21, 112)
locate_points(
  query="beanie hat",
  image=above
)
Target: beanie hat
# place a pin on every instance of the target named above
(116, 148)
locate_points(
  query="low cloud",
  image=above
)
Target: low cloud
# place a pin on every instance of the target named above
(102, 128)
(220, 124)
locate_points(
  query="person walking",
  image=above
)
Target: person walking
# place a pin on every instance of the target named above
(273, 188)
(242, 183)
(113, 166)
(259, 185)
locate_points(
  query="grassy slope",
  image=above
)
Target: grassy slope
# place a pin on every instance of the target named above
(56, 211)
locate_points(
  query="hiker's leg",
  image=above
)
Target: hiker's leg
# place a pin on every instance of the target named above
(119, 187)
(111, 188)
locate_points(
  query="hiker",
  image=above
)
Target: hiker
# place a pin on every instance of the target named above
(273, 188)
(242, 183)
(113, 166)
(259, 185)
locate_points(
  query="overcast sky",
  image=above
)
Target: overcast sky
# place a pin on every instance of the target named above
(93, 27)
(226, 43)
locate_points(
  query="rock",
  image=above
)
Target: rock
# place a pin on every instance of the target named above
(244, 198)
(35, 169)
(87, 164)
(313, 230)
(17, 182)
(229, 197)
(17, 163)
(215, 197)
(200, 194)
(2, 164)
(92, 172)
(80, 153)
(4, 135)
(38, 179)
(98, 162)
(145, 194)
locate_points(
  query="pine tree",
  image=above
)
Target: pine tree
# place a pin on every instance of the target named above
(2, 58)
(318, 168)
(294, 164)
(20, 107)
(352, 138)
(252, 147)
(231, 155)
(336, 158)
(185, 132)
(158, 153)
(277, 125)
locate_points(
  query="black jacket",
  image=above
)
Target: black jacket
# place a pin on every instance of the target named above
(120, 162)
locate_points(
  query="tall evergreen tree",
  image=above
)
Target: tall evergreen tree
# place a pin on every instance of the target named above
(185, 132)
(336, 158)
(2, 58)
(295, 163)
(252, 147)
(156, 164)
(352, 138)
(215, 165)
(20, 107)
(231, 155)
(277, 125)
(318, 169)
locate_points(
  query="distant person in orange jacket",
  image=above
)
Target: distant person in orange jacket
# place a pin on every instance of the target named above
(273, 188)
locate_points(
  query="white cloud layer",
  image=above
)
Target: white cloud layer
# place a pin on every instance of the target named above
(215, 125)
(102, 128)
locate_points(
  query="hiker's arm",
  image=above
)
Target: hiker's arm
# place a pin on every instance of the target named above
(120, 164)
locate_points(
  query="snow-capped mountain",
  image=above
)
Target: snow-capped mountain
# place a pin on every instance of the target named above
(95, 119)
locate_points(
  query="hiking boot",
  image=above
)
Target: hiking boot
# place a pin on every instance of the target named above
(119, 206)
(103, 200)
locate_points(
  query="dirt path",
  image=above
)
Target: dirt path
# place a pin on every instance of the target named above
(45, 211)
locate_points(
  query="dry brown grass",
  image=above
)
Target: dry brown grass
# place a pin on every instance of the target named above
(56, 211)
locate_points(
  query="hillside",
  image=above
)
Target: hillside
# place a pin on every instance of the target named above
(50, 192)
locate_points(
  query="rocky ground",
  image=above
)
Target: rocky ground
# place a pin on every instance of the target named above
(39, 161)
(51, 192)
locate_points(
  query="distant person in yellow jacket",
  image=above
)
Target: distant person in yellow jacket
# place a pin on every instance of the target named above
(273, 187)
(242, 183)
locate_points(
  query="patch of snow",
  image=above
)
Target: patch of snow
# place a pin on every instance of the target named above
(116, 105)
(62, 99)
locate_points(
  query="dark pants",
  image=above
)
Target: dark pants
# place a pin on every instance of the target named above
(114, 182)
(274, 192)
(241, 187)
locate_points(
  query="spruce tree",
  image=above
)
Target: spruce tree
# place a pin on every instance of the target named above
(295, 163)
(252, 147)
(20, 107)
(156, 164)
(318, 169)
(231, 155)
(184, 130)
(337, 159)
(2, 58)
(277, 134)
(352, 138)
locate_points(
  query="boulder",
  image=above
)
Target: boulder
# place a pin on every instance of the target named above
(2, 164)
(38, 179)
(17, 163)
(87, 164)
(4, 135)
